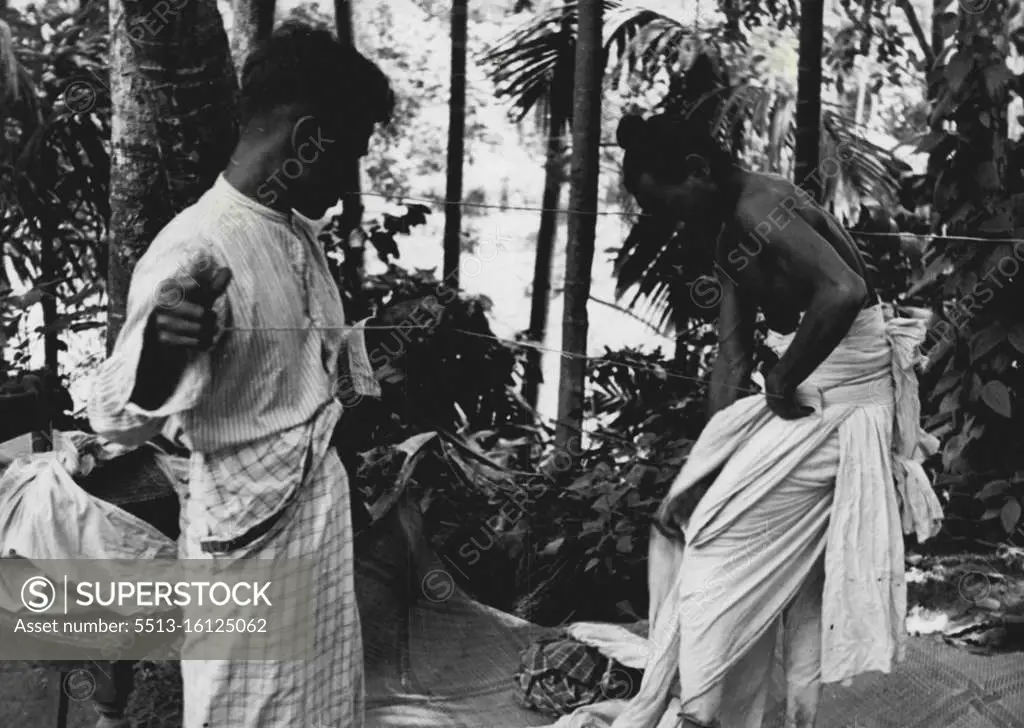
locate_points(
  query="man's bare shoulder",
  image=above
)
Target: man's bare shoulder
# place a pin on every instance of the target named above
(767, 203)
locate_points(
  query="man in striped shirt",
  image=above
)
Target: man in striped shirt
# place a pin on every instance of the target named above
(228, 334)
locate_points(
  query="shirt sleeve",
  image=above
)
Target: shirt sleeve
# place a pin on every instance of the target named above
(111, 413)
(355, 363)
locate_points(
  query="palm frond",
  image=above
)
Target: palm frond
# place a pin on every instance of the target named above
(536, 61)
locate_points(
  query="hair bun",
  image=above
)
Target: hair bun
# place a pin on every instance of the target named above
(632, 129)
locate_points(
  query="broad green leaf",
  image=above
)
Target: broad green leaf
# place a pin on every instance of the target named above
(946, 383)
(991, 514)
(29, 299)
(552, 548)
(938, 420)
(996, 78)
(591, 564)
(951, 401)
(582, 483)
(1016, 337)
(997, 396)
(994, 488)
(946, 24)
(954, 446)
(1010, 515)
(957, 69)
(624, 545)
(1000, 363)
(973, 390)
(986, 340)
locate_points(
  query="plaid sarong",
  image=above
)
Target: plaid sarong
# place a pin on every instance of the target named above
(558, 675)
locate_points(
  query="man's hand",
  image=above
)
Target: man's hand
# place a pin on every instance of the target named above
(185, 318)
(782, 399)
(183, 321)
(674, 514)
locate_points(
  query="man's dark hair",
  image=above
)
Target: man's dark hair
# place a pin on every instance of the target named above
(308, 67)
(670, 149)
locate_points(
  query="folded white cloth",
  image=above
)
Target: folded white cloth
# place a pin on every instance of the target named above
(45, 516)
(613, 641)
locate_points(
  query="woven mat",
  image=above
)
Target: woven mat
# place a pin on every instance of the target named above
(448, 661)
(938, 686)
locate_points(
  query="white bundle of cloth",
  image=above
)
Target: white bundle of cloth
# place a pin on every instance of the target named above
(45, 516)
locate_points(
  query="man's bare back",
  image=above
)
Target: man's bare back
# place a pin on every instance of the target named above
(779, 253)
(748, 251)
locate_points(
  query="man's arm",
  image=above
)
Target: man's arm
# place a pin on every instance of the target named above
(357, 376)
(837, 296)
(374, 348)
(735, 360)
(141, 385)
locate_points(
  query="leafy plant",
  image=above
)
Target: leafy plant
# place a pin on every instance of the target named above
(54, 163)
(976, 347)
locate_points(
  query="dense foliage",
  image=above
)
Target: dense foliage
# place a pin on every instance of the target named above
(977, 344)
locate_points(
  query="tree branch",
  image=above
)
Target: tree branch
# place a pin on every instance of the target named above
(915, 26)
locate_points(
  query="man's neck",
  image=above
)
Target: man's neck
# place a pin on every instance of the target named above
(253, 169)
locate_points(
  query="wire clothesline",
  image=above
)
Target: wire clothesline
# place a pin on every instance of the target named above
(626, 213)
(654, 369)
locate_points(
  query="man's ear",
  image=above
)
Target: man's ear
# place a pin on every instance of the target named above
(306, 131)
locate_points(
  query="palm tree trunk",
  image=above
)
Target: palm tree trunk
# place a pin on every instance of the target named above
(48, 260)
(173, 92)
(353, 268)
(456, 146)
(546, 236)
(938, 7)
(862, 90)
(808, 97)
(253, 22)
(579, 254)
(173, 126)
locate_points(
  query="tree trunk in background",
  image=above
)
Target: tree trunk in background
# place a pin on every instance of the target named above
(864, 59)
(456, 146)
(938, 42)
(540, 302)
(254, 21)
(48, 260)
(579, 254)
(353, 268)
(808, 98)
(173, 128)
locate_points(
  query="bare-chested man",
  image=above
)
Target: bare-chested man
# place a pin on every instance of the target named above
(795, 550)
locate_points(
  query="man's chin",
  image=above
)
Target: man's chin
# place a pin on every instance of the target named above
(312, 211)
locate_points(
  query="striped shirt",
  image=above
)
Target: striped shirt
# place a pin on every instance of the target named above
(256, 406)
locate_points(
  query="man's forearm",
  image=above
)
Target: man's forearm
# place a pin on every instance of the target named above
(158, 375)
(728, 382)
(827, 321)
